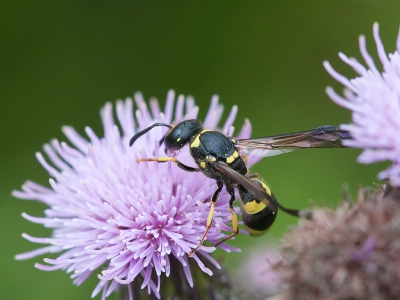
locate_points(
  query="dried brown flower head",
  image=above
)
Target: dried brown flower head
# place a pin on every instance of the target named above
(352, 252)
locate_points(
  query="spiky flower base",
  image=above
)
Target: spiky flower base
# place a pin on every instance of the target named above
(204, 287)
(350, 253)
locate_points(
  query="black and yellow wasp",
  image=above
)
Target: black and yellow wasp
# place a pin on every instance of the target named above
(224, 158)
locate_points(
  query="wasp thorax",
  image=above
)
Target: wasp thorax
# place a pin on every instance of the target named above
(181, 134)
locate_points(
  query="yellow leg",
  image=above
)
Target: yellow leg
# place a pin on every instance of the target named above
(167, 159)
(208, 226)
(235, 227)
(157, 159)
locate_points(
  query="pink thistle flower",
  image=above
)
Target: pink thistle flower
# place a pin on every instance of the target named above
(374, 99)
(256, 277)
(131, 219)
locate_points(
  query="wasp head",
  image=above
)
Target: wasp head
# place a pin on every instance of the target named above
(180, 135)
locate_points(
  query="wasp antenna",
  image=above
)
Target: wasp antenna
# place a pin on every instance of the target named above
(162, 140)
(140, 133)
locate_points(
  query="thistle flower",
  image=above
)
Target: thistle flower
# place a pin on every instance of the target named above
(135, 221)
(374, 99)
(256, 277)
(350, 253)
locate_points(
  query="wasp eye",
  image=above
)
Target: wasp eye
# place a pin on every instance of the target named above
(181, 134)
(173, 141)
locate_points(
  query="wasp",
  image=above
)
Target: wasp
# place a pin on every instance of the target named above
(223, 158)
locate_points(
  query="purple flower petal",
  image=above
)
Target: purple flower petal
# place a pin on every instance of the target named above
(107, 211)
(374, 99)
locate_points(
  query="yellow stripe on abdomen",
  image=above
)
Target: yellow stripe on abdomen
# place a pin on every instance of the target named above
(253, 207)
(254, 232)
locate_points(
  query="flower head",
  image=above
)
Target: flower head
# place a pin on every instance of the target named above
(350, 253)
(133, 220)
(374, 99)
(255, 277)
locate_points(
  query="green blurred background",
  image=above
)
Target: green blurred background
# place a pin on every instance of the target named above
(60, 62)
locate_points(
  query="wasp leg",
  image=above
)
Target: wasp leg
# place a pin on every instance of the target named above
(173, 159)
(210, 217)
(235, 225)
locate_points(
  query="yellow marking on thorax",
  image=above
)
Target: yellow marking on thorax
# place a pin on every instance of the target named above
(196, 141)
(253, 207)
(212, 158)
(202, 165)
(232, 158)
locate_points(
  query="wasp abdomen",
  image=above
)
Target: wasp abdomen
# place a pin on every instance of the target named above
(257, 216)
(260, 222)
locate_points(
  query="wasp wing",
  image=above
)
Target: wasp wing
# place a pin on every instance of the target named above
(321, 137)
(257, 191)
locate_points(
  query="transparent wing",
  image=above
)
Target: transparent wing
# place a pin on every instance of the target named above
(321, 137)
(257, 191)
